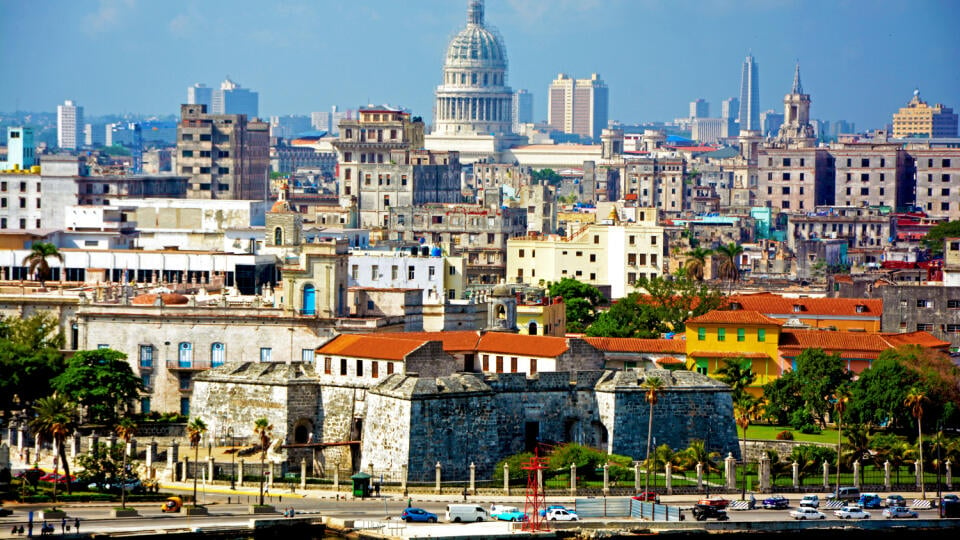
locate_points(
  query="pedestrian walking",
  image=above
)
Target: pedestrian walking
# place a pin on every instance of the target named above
(76, 525)
(63, 525)
(464, 494)
(409, 502)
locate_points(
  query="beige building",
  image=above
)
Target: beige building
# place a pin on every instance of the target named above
(920, 119)
(793, 179)
(938, 181)
(226, 156)
(578, 105)
(655, 182)
(869, 174)
(611, 255)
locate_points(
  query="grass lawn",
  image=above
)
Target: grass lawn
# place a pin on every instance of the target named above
(763, 432)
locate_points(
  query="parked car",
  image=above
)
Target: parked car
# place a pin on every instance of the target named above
(702, 512)
(852, 512)
(899, 512)
(543, 512)
(417, 514)
(777, 502)
(807, 512)
(58, 478)
(647, 496)
(895, 500)
(810, 501)
(870, 500)
(507, 513)
(561, 514)
(847, 493)
(716, 502)
(130, 486)
(951, 498)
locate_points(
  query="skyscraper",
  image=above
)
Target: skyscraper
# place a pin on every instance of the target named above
(699, 108)
(730, 108)
(522, 107)
(750, 95)
(69, 125)
(232, 99)
(200, 94)
(578, 105)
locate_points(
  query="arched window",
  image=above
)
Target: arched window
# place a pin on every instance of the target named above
(217, 354)
(501, 312)
(278, 236)
(185, 356)
(532, 328)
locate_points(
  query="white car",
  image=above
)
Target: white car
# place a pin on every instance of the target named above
(810, 501)
(805, 512)
(559, 514)
(852, 512)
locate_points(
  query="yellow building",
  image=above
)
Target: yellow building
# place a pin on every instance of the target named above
(918, 118)
(718, 336)
(545, 319)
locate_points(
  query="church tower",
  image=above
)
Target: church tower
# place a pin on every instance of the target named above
(284, 226)
(796, 130)
(502, 310)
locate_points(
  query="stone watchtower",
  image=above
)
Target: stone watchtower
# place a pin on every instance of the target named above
(284, 226)
(502, 312)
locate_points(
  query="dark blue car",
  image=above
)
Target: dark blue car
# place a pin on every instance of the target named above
(418, 514)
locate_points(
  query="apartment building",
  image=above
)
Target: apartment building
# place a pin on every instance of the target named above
(861, 227)
(655, 183)
(937, 181)
(794, 179)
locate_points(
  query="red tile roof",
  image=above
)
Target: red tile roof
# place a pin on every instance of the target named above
(734, 317)
(668, 361)
(924, 339)
(846, 342)
(775, 304)
(366, 346)
(730, 354)
(455, 341)
(610, 344)
(542, 346)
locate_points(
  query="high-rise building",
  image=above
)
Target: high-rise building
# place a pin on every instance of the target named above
(920, 119)
(289, 126)
(730, 108)
(699, 108)
(770, 122)
(20, 150)
(226, 156)
(69, 125)
(578, 106)
(750, 95)
(232, 99)
(796, 130)
(522, 107)
(200, 94)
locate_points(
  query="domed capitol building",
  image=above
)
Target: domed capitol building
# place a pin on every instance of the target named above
(473, 113)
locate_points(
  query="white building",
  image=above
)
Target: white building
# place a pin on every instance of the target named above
(20, 149)
(69, 125)
(232, 99)
(439, 277)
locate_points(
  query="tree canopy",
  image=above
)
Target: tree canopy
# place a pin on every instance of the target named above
(100, 380)
(36, 260)
(580, 300)
(29, 358)
(933, 240)
(546, 176)
(736, 373)
(805, 394)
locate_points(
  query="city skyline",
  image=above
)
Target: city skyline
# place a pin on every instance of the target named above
(302, 57)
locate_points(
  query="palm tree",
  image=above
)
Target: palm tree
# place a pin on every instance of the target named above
(738, 375)
(841, 398)
(697, 452)
(858, 445)
(696, 262)
(744, 411)
(126, 429)
(728, 267)
(915, 399)
(55, 420)
(195, 430)
(36, 260)
(262, 428)
(653, 386)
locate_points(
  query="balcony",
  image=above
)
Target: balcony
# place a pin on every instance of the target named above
(192, 365)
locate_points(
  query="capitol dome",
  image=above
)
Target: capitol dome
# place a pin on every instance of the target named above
(476, 45)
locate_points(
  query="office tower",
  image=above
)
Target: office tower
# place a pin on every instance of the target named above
(708, 130)
(730, 108)
(796, 130)
(289, 126)
(770, 122)
(578, 106)
(920, 119)
(522, 107)
(699, 108)
(19, 149)
(226, 156)
(750, 95)
(200, 94)
(320, 120)
(232, 99)
(69, 125)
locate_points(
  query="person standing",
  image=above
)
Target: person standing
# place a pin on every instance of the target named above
(76, 525)
(63, 525)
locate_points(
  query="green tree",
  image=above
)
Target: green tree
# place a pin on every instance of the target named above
(696, 262)
(629, 317)
(126, 429)
(195, 430)
(810, 458)
(698, 452)
(55, 420)
(36, 260)
(100, 380)
(29, 358)
(729, 267)
(546, 176)
(745, 410)
(898, 452)
(102, 463)
(263, 429)
(820, 375)
(915, 400)
(580, 301)
(876, 401)
(736, 373)
(782, 397)
(934, 238)
(653, 386)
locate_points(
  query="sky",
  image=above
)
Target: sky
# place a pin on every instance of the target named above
(860, 60)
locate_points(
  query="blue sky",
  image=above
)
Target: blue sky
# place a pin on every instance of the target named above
(860, 59)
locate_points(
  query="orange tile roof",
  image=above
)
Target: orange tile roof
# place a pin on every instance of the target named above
(739, 316)
(775, 304)
(611, 344)
(924, 339)
(365, 346)
(832, 341)
(668, 361)
(543, 346)
(730, 354)
(455, 341)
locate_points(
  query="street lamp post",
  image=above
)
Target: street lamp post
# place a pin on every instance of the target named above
(939, 466)
(233, 458)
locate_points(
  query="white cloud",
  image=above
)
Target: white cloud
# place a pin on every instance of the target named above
(108, 15)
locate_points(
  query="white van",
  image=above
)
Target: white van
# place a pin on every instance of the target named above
(466, 512)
